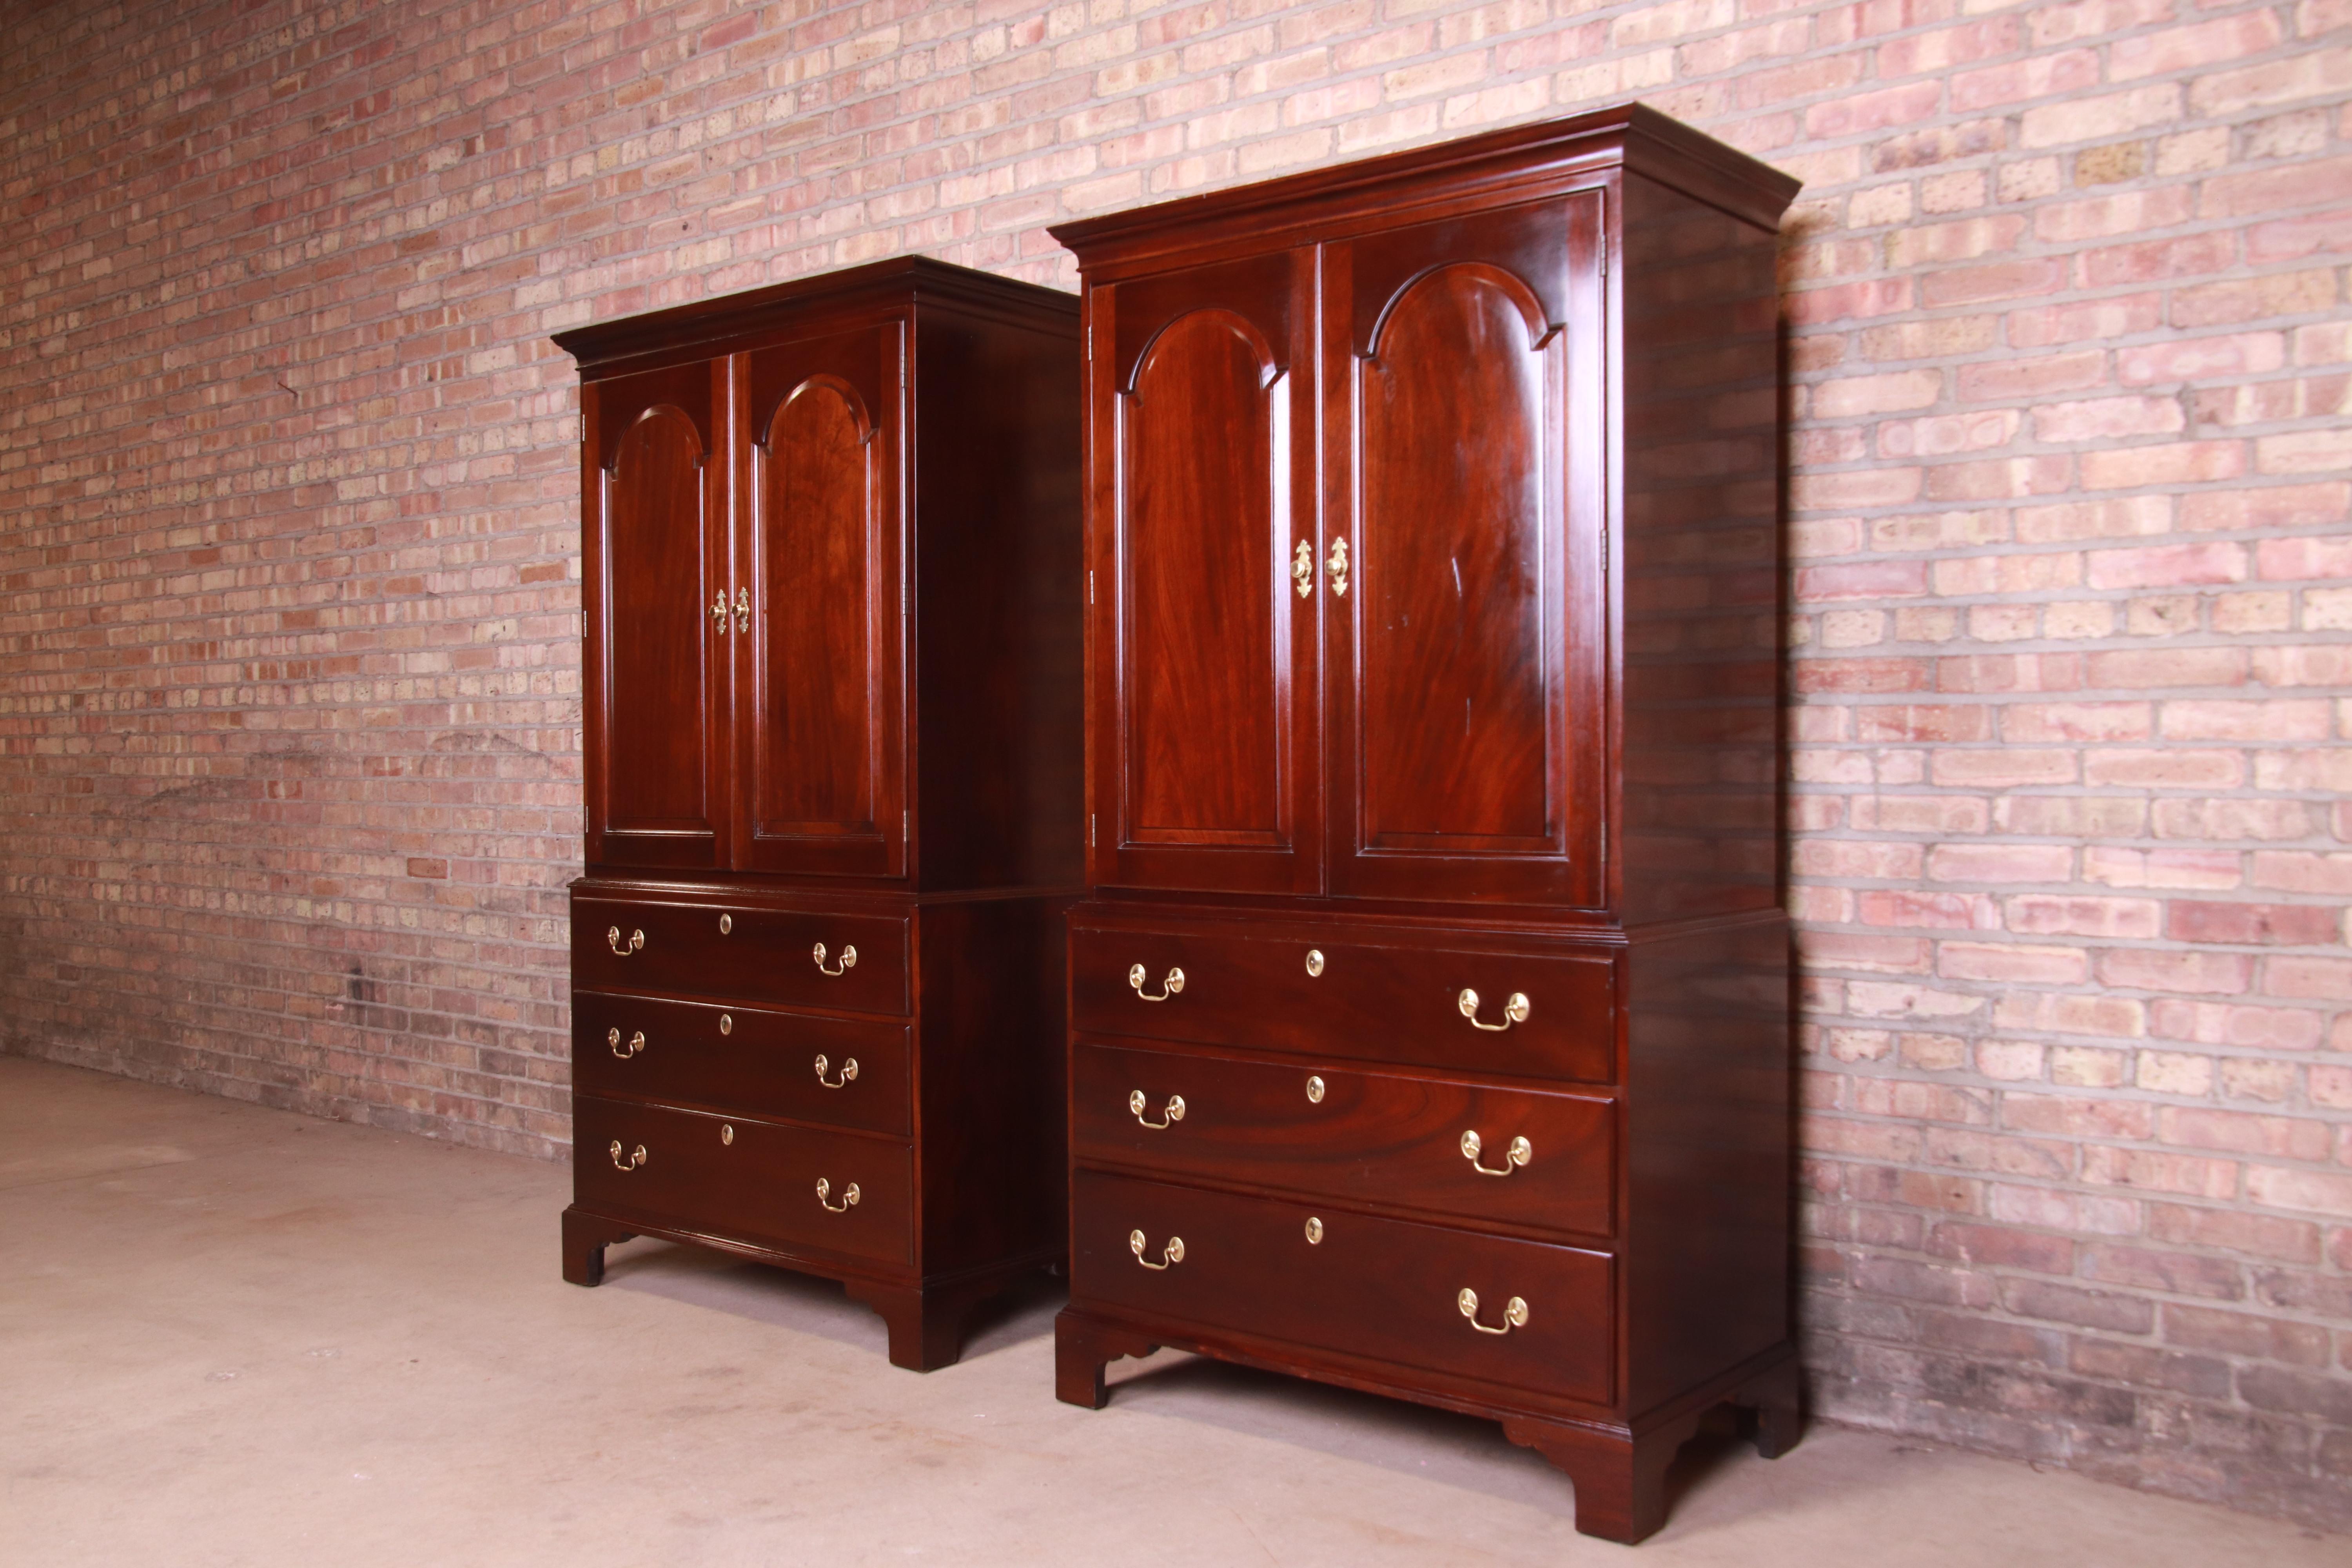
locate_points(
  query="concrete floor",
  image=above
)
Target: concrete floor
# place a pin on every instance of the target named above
(238, 1336)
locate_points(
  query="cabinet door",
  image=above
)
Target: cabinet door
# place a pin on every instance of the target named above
(1203, 460)
(1464, 472)
(653, 499)
(821, 648)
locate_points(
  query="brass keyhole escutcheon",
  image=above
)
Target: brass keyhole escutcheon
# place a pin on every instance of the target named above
(1315, 962)
(1515, 1312)
(848, 960)
(726, 1023)
(1170, 1255)
(1314, 1231)
(1514, 1011)
(1168, 987)
(1173, 1113)
(726, 1134)
(1314, 1090)
(726, 924)
(1518, 1154)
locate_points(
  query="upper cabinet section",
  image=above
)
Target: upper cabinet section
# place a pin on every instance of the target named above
(1355, 440)
(772, 674)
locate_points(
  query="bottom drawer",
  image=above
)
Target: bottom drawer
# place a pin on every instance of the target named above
(1388, 1289)
(751, 1180)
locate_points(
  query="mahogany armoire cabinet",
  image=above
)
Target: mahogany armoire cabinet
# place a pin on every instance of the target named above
(833, 720)
(1428, 1012)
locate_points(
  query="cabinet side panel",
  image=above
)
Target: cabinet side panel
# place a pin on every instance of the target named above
(989, 1108)
(1709, 1141)
(1701, 555)
(1000, 589)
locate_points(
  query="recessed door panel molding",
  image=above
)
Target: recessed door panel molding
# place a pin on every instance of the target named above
(1213, 704)
(655, 497)
(1468, 474)
(823, 737)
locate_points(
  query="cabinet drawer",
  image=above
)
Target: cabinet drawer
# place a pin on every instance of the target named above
(1384, 1288)
(754, 1180)
(743, 1061)
(1371, 1002)
(764, 955)
(1377, 1138)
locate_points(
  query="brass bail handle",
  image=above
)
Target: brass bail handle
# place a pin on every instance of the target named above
(624, 949)
(634, 1160)
(1519, 1154)
(636, 1043)
(1514, 1011)
(848, 961)
(1168, 987)
(1515, 1312)
(1174, 1113)
(848, 1197)
(1169, 1256)
(848, 1072)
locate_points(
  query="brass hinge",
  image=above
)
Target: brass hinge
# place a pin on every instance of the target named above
(1090, 585)
(1090, 830)
(1605, 259)
(1604, 550)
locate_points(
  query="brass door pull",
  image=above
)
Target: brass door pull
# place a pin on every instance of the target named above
(1168, 987)
(848, 1072)
(634, 1160)
(848, 961)
(1302, 568)
(1339, 567)
(742, 611)
(1520, 1152)
(624, 949)
(1170, 1255)
(1174, 1113)
(636, 1043)
(719, 611)
(1515, 1312)
(848, 1197)
(1514, 1011)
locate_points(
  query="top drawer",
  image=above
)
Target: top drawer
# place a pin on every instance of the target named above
(762, 955)
(1544, 1015)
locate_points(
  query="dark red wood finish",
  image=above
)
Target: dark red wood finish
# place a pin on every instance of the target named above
(1528, 748)
(836, 802)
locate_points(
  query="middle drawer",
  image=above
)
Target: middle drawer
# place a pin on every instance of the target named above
(1465, 1151)
(747, 1060)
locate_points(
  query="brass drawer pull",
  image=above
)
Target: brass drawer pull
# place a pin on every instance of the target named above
(1170, 1255)
(636, 1043)
(1337, 565)
(848, 1072)
(621, 949)
(1515, 1312)
(1514, 1011)
(1175, 1111)
(848, 1197)
(1168, 987)
(634, 1160)
(1517, 1154)
(848, 960)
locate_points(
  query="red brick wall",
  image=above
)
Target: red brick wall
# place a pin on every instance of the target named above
(289, 710)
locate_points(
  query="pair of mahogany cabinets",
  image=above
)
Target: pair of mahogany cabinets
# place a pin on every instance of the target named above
(1259, 782)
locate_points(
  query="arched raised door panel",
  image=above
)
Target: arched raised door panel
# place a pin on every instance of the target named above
(822, 733)
(653, 803)
(1209, 505)
(1465, 708)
